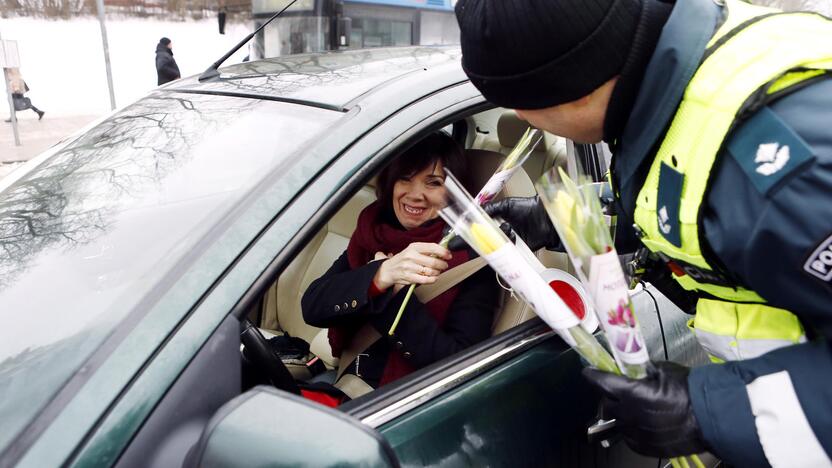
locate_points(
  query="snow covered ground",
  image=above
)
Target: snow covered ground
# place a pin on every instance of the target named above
(63, 62)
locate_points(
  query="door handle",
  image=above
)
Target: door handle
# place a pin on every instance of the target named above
(600, 429)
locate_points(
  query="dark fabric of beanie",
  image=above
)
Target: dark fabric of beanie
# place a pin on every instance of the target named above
(533, 54)
(654, 15)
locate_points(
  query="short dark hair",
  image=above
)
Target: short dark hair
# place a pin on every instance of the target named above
(436, 147)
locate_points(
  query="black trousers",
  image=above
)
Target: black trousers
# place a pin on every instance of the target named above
(22, 103)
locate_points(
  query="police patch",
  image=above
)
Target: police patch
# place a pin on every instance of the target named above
(768, 150)
(819, 264)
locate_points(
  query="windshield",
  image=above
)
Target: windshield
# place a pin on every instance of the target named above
(88, 234)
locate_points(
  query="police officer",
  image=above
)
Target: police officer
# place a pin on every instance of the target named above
(719, 115)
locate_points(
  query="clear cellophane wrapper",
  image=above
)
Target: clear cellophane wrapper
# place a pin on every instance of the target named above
(480, 232)
(576, 213)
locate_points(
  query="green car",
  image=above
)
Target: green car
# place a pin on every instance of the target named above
(135, 253)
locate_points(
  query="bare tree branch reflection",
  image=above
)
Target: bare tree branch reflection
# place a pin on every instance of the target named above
(70, 198)
(285, 76)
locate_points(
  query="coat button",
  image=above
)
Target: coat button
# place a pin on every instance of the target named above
(399, 345)
(337, 307)
(354, 303)
(407, 354)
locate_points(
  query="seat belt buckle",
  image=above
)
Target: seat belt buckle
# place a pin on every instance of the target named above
(316, 366)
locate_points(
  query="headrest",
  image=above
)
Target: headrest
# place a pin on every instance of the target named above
(344, 221)
(483, 163)
(510, 129)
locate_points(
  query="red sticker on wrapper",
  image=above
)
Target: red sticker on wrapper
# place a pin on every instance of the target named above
(570, 297)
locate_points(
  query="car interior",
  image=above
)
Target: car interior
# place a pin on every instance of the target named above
(487, 137)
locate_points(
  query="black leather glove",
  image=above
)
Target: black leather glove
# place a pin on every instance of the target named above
(653, 414)
(529, 219)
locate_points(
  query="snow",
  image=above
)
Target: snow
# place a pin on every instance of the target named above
(63, 61)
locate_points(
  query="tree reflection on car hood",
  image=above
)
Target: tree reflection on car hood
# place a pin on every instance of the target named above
(87, 235)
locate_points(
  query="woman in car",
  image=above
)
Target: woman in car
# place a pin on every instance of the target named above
(395, 245)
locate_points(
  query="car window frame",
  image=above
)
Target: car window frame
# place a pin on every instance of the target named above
(423, 386)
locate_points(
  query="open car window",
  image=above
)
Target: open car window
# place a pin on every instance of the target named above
(488, 136)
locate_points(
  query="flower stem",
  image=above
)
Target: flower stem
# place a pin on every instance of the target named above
(444, 243)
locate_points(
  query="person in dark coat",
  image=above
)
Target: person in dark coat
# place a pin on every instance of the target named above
(166, 68)
(395, 244)
(18, 88)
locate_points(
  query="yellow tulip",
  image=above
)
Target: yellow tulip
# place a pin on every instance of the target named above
(486, 239)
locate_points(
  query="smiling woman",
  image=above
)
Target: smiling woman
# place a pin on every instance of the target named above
(413, 186)
(395, 245)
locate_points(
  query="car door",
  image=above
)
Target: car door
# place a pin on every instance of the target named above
(165, 406)
(464, 410)
(516, 399)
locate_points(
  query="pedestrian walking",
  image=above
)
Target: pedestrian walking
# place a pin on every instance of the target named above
(166, 68)
(19, 88)
(717, 113)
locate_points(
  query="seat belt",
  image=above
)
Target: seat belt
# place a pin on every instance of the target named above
(449, 279)
(367, 335)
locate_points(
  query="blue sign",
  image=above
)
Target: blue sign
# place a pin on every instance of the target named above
(427, 4)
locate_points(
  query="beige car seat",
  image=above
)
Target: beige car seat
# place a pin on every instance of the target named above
(281, 305)
(550, 152)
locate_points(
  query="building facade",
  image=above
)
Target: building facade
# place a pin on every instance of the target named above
(318, 25)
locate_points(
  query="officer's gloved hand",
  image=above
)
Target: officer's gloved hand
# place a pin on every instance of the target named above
(653, 414)
(458, 243)
(528, 218)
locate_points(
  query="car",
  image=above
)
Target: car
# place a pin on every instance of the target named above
(138, 253)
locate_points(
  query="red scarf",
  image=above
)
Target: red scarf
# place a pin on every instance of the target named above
(374, 234)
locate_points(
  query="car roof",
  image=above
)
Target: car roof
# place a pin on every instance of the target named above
(332, 80)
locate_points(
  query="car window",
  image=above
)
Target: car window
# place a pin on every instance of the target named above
(89, 233)
(281, 308)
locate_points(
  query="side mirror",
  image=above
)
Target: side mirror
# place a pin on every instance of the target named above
(267, 427)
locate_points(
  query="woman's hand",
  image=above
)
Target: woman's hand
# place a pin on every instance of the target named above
(419, 263)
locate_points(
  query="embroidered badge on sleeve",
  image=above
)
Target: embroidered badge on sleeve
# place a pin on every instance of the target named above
(768, 150)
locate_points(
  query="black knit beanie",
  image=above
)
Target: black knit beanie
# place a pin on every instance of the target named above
(532, 54)
(164, 41)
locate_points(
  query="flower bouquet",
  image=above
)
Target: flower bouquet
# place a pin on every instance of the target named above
(495, 184)
(576, 213)
(468, 220)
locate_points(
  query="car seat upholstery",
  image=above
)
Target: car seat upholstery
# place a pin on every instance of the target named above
(550, 152)
(281, 305)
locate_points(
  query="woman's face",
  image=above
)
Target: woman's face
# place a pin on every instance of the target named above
(418, 198)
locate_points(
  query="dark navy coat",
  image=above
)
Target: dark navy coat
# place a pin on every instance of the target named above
(166, 68)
